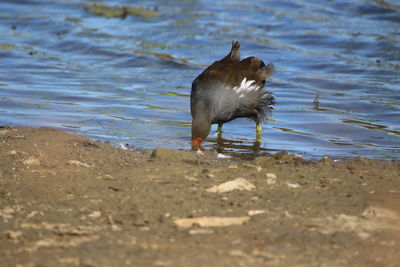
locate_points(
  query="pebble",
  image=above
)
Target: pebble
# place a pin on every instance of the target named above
(199, 153)
(255, 212)
(31, 161)
(293, 185)
(95, 214)
(240, 184)
(222, 156)
(200, 231)
(237, 253)
(191, 178)
(79, 163)
(106, 177)
(13, 235)
(271, 178)
(123, 146)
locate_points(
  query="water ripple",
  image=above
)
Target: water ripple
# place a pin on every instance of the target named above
(127, 78)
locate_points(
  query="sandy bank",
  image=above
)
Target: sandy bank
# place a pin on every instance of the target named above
(66, 200)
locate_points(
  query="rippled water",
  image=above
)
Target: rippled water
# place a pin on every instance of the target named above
(126, 79)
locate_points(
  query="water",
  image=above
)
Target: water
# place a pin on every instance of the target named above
(127, 80)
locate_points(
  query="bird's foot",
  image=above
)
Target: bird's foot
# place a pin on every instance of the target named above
(219, 130)
(258, 132)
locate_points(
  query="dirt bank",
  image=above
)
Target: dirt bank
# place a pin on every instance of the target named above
(66, 200)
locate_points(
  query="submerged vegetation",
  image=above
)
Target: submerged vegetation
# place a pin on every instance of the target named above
(122, 12)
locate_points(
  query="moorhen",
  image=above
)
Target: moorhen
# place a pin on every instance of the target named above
(230, 88)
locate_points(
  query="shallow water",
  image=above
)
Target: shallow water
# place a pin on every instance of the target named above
(127, 80)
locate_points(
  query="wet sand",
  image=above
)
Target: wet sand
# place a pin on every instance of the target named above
(66, 200)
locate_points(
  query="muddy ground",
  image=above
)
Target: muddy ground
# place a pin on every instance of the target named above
(66, 200)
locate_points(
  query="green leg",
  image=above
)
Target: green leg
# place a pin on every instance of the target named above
(219, 130)
(258, 131)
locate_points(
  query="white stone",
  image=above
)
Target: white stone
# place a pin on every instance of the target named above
(199, 153)
(95, 214)
(200, 231)
(123, 146)
(79, 163)
(293, 185)
(31, 161)
(222, 156)
(255, 212)
(271, 178)
(240, 184)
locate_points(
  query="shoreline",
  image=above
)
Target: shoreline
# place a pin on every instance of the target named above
(66, 200)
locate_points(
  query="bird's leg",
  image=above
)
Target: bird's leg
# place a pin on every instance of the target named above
(258, 131)
(219, 130)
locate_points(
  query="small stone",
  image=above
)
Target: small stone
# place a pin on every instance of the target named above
(106, 177)
(233, 167)
(191, 178)
(293, 185)
(271, 178)
(363, 235)
(13, 235)
(200, 231)
(259, 168)
(31, 161)
(95, 214)
(255, 212)
(34, 213)
(240, 184)
(79, 163)
(326, 159)
(123, 147)
(199, 152)
(237, 253)
(222, 156)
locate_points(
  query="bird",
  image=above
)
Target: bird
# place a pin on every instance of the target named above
(230, 88)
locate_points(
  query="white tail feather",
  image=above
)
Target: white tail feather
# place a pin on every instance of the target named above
(246, 86)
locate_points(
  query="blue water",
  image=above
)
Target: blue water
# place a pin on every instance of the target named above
(127, 80)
